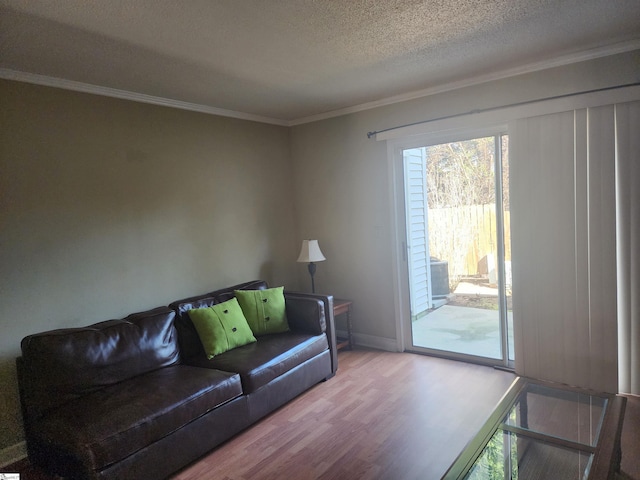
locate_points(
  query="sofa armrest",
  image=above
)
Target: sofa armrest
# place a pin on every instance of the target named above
(306, 314)
(312, 313)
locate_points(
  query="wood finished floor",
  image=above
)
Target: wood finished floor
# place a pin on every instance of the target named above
(384, 416)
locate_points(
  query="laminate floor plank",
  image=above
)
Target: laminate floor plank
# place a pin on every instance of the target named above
(383, 416)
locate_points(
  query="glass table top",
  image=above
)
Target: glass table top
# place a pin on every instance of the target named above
(513, 456)
(565, 414)
(537, 431)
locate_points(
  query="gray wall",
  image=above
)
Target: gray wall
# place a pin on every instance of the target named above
(110, 207)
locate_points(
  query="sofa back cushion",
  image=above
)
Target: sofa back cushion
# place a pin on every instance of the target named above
(190, 344)
(61, 365)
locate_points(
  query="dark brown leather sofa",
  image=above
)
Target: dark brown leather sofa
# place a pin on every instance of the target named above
(137, 398)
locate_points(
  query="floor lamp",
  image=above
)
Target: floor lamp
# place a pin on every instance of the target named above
(310, 253)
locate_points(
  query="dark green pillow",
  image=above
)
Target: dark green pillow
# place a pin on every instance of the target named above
(264, 310)
(221, 327)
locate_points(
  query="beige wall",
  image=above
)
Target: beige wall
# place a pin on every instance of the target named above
(110, 207)
(342, 194)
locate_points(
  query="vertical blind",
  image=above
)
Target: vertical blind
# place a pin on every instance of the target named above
(628, 244)
(565, 262)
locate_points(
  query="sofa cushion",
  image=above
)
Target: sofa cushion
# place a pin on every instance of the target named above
(107, 426)
(221, 327)
(264, 309)
(268, 358)
(64, 364)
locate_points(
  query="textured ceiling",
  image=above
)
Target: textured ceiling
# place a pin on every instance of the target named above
(291, 59)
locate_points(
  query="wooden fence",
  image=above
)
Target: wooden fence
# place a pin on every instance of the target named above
(466, 238)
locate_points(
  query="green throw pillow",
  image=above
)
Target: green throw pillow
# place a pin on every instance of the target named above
(264, 310)
(221, 327)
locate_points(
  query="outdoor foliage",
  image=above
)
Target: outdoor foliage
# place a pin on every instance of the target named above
(462, 173)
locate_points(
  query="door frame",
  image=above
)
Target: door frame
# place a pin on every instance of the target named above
(398, 213)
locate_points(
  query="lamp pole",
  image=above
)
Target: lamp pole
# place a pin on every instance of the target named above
(312, 272)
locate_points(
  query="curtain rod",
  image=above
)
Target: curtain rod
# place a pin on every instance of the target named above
(490, 109)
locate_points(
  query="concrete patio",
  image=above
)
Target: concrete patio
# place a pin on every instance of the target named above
(472, 331)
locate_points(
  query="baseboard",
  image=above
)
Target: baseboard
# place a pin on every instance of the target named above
(13, 454)
(371, 341)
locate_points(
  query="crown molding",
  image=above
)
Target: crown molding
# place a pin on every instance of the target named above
(560, 61)
(582, 56)
(55, 82)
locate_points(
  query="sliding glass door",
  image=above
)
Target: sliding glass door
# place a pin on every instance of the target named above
(458, 248)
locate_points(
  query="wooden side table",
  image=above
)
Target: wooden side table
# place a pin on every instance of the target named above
(343, 307)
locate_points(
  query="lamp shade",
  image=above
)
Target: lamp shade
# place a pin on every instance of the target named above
(310, 252)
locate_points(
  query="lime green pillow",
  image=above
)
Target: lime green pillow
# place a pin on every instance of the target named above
(221, 327)
(264, 310)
